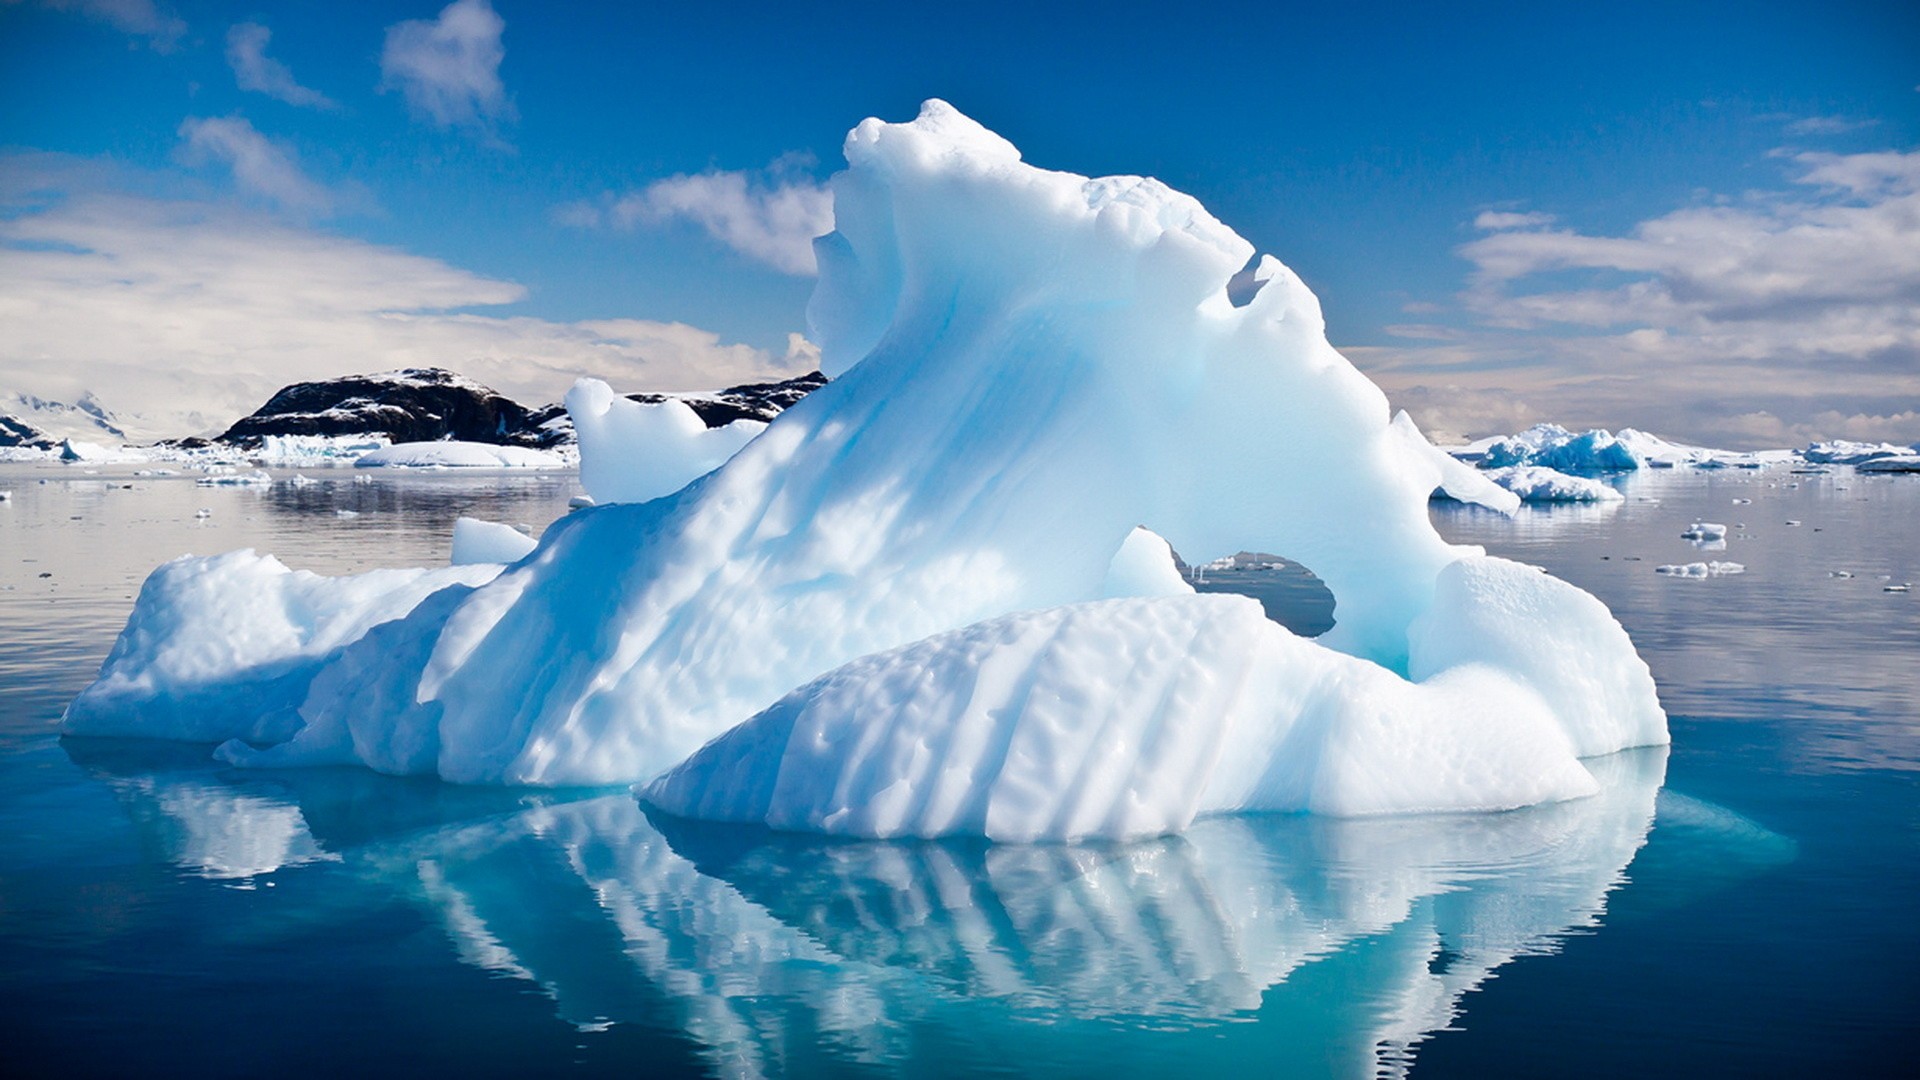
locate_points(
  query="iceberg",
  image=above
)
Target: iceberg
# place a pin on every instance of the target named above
(940, 590)
(1538, 484)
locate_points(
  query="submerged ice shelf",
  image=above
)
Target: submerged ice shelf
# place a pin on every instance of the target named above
(925, 588)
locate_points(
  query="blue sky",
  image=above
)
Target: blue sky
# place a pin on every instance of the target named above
(1511, 212)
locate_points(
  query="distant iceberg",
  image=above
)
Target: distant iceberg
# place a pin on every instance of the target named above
(913, 581)
(1599, 450)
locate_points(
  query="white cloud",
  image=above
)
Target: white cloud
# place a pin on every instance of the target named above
(185, 316)
(1749, 319)
(1490, 220)
(260, 165)
(449, 68)
(1826, 125)
(140, 18)
(254, 70)
(772, 221)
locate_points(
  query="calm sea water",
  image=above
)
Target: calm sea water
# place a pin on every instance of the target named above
(1747, 903)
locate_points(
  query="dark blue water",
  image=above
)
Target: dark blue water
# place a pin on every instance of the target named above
(1741, 905)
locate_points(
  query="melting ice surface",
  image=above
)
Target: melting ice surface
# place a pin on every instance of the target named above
(918, 603)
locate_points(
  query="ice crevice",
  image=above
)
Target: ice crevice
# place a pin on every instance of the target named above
(920, 601)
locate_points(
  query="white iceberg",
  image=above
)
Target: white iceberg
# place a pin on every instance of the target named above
(1027, 367)
(1538, 484)
(449, 454)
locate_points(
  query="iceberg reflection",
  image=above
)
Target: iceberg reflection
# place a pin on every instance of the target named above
(762, 942)
(1350, 941)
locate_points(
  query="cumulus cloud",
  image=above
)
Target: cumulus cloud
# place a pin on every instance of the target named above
(770, 219)
(260, 166)
(161, 29)
(182, 316)
(254, 70)
(1491, 220)
(448, 68)
(1751, 319)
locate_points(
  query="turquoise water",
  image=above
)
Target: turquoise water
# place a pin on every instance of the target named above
(1743, 904)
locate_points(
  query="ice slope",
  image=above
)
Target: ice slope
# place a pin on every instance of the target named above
(1127, 718)
(1027, 366)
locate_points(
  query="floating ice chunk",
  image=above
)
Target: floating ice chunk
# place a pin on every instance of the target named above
(1701, 569)
(346, 513)
(1742, 502)
(223, 647)
(461, 455)
(1904, 586)
(297, 480)
(1538, 484)
(1792, 521)
(1840, 573)
(1705, 530)
(636, 452)
(6, 496)
(256, 478)
(476, 541)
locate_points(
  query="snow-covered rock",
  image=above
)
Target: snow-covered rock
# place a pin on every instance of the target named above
(1027, 367)
(413, 405)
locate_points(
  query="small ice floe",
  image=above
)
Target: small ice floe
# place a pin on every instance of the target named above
(579, 502)
(1704, 530)
(203, 512)
(1701, 569)
(1791, 521)
(1741, 502)
(1905, 586)
(6, 496)
(302, 481)
(363, 479)
(1840, 573)
(346, 513)
(256, 478)
(157, 472)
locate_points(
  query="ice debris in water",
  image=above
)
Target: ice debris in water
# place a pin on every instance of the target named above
(1701, 569)
(938, 595)
(1705, 530)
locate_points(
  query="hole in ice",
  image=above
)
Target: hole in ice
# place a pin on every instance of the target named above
(1244, 286)
(1291, 594)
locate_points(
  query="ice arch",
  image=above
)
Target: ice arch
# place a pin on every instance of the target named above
(1028, 364)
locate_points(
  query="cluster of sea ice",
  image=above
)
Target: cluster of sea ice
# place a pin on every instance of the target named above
(920, 601)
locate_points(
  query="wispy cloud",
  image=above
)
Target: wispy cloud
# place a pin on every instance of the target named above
(161, 29)
(260, 166)
(1493, 220)
(254, 70)
(448, 68)
(769, 217)
(1747, 317)
(191, 314)
(1826, 125)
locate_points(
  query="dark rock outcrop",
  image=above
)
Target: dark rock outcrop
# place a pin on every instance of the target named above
(748, 401)
(17, 432)
(430, 404)
(414, 405)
